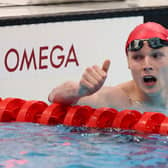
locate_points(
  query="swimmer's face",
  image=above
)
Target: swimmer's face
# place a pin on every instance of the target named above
(149, 68)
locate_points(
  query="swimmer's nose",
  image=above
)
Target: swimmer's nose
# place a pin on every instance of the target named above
(148, 69)
(147, 64)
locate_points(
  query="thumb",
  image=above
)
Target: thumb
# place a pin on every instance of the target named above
(106, 65)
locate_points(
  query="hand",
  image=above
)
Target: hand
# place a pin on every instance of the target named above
(93, 79)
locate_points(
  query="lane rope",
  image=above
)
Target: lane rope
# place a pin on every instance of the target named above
(35, 111)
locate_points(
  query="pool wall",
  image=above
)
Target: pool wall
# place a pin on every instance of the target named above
(40, 51)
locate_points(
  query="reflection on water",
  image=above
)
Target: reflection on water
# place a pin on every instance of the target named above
(28, 145)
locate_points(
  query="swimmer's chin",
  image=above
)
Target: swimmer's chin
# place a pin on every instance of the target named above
(152, 91)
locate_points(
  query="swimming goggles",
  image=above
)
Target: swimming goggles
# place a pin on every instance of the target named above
(155, 43)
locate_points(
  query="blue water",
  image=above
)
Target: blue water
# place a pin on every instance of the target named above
(28, 145)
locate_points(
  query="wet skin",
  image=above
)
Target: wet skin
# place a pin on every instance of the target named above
(149, 68)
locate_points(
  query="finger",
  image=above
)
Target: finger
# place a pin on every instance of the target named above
(97, 73)
(100, 72)
(86, 84)
(90, 78)
(106, 65)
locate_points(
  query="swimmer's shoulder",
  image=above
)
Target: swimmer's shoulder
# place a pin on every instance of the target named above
(125, 87)
(118, 95)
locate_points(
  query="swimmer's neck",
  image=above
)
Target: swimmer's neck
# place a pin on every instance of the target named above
(159, 99)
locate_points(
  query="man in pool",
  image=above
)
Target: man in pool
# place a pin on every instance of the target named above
(147, 56)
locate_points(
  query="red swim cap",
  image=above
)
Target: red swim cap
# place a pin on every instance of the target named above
(146, 31)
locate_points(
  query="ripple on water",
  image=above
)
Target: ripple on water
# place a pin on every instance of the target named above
(69, 147)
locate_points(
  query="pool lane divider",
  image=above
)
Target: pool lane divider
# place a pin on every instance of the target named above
(35, 111)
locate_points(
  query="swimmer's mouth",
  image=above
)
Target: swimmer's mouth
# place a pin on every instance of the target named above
(149, 79)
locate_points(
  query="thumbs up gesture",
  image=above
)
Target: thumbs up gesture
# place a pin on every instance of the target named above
(93, 78)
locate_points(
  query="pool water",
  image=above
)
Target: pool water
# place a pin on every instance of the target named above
(30, 145)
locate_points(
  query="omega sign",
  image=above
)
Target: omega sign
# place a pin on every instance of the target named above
(38, 61)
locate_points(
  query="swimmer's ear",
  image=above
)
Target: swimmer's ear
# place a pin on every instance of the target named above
(128, 66)
(106, 65)
(128, 63)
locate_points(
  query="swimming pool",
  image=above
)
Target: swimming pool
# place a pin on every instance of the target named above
(29, 145)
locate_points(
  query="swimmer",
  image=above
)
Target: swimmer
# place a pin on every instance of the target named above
(147, 57)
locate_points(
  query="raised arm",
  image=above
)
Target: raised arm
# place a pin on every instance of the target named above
(91, 81)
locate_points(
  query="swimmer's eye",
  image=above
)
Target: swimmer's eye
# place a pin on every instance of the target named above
(157, 55)
(137, 57)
